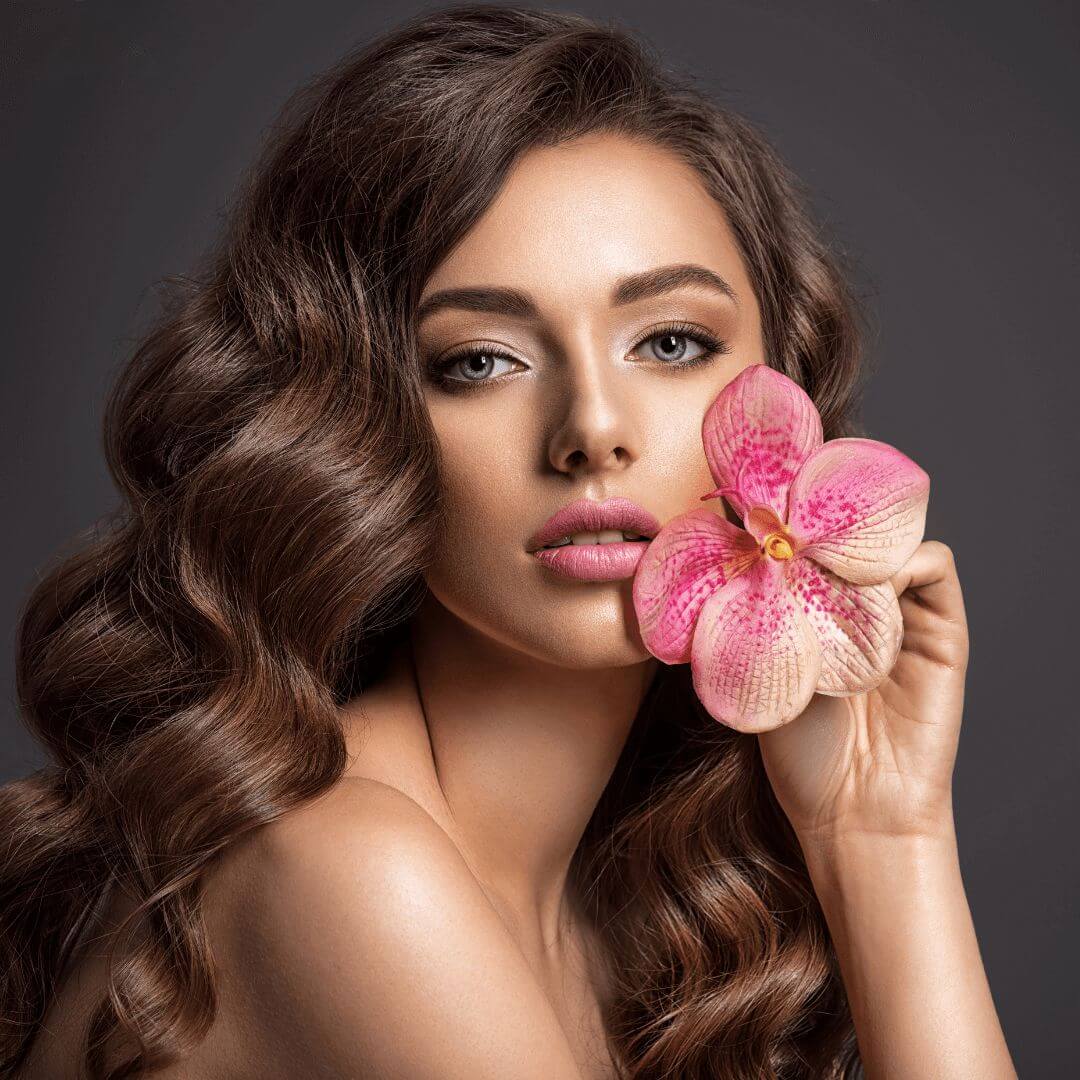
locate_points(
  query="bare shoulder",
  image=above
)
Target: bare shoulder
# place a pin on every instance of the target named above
(372, 950)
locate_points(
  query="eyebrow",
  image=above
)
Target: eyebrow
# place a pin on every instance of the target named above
(515, 303)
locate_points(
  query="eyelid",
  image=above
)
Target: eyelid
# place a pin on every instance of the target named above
(679, 328)
(438, 369)
(488, 348)
(493, 376)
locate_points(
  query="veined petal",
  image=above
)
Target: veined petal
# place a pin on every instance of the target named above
(858, 507)
(757, 433)
(859, 627)
(755, 657)
(691, 557)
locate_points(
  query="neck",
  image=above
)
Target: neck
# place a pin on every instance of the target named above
(523, 750)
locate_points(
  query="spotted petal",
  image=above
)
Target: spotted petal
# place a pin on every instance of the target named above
(859, 628)
(755, 657)
(757, 433)
(691, 557)
(859, 507)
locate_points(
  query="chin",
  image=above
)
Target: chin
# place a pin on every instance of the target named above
(580, 644)
(565, 624)
(597, 654)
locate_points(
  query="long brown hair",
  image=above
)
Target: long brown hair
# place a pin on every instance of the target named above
(281, 483)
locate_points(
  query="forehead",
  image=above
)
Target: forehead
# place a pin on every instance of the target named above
(572, 218)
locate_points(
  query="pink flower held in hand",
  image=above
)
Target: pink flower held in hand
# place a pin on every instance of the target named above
(799, 599)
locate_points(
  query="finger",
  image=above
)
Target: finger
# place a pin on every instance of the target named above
(929, 579)
(821, 727)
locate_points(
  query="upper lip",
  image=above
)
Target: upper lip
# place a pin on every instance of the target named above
(586, 515)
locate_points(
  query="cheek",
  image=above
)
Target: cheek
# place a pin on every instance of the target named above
(676, 468)
(488, 470)
(485, 470)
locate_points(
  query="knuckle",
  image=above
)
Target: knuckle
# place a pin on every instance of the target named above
(942, 550)
(957, 658)
(941, 553)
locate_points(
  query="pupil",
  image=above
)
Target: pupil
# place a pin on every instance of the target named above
(478, 365)
(672, 338)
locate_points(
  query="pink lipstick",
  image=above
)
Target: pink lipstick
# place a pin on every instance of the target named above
(579, 540)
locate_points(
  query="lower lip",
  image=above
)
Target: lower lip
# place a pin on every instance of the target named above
(594, 562)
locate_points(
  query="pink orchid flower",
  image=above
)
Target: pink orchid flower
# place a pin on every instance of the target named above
(798, 600)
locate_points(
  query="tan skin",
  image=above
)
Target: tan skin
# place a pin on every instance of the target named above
(415, 921)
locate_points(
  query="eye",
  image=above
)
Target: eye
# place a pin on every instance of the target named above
(670, 347)
(472, 366)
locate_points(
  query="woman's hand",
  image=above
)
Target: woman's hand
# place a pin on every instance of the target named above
(881, 763)
(867, 784)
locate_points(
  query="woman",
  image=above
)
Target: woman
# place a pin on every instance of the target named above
(348, 781)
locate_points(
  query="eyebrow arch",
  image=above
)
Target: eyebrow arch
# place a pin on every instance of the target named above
(517, 304)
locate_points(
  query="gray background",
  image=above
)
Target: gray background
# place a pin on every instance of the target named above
(939, 142)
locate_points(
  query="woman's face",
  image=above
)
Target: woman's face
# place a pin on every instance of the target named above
(576, 391)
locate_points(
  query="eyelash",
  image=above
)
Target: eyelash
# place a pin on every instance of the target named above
(712, 345)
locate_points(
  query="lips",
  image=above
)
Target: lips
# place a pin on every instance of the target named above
(595, 561)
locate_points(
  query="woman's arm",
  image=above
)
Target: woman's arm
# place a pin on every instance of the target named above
(866, 782)
(909, 958)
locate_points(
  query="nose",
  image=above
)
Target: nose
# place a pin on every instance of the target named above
(595, 431)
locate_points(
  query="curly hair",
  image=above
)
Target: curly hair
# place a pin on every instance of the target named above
(185, 669)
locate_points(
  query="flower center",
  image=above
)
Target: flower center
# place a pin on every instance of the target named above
(778, 546)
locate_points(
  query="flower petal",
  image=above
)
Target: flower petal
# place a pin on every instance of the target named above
(691, 557)
(858, 507)
(859, 628)
(757, 433)
(755, 657)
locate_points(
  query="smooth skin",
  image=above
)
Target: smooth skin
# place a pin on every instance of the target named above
(414, 922)
(521, 687)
